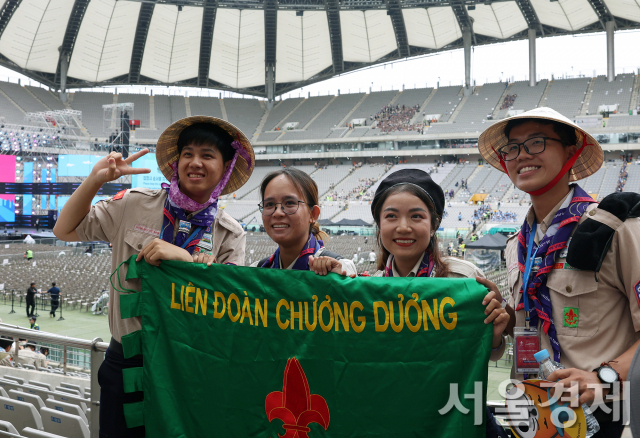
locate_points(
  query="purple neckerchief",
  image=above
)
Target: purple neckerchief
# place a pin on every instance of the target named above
(555, 240)
(200, 223)
(302, 262)
(426, 268)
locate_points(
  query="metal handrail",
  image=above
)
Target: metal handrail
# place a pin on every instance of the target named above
(97, 347)
(15, 331)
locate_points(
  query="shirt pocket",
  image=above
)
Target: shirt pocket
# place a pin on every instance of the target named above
(137, 240)
(574, 298)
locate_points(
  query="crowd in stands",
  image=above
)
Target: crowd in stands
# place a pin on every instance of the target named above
(622, 180)
(393, 118)
(508, 101)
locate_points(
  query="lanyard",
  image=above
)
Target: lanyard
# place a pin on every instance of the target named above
(186, 242)
(527, 273)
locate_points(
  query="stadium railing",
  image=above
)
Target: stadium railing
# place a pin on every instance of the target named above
(96, 347)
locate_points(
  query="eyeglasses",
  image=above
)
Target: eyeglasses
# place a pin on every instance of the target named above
(533, 146)
(290, 206)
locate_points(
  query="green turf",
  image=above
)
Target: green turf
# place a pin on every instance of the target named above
(76, 324)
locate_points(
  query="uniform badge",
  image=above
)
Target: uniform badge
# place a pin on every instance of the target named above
(184, 227)
(636, 288)
(537, 264)
(208, 229)
(565, 250)
(206, 242)
(570, 317)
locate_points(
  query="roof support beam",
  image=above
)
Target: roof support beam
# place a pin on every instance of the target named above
(69, 41)
(270, 36)
(611, 66)
(206, 41)
(466, 44)
(532, 58)
(335, 34)
(139, 41)
(602, 11)
(7, 12)
(530, 15)
(464, 20)
(397, 19)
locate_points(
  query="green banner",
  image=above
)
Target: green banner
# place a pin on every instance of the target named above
(248, 352)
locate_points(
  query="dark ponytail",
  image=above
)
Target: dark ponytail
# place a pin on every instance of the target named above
(307, 188)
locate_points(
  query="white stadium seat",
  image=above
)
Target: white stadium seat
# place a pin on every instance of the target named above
(32, 433)
(6, 426)
(20, 414)
(67, 408)
(3, 393)
(27, 397)
(43, 385)
(67, 425)
(60, 396)
(10, 384)
(72, 386)
(20, 380)
(69, 391)
(37, 390)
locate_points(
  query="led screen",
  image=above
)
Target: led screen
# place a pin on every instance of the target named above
(149, 180)
(76, 165)
(7, 202)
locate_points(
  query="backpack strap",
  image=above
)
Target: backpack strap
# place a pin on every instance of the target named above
(592, 238)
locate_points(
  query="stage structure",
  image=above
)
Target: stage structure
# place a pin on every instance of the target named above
(116, 124)
(44, 132)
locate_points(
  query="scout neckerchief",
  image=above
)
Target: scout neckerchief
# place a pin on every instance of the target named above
(302, 262)
(426, 268)
(556, 238)
(190, 231)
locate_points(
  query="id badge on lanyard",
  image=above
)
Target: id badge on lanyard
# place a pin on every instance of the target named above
(525, 339)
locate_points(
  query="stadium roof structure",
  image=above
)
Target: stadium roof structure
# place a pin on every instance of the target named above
(264, 47)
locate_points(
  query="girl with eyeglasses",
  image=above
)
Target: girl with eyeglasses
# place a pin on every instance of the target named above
(290, 214)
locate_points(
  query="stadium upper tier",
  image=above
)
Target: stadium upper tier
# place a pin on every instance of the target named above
(347, 190)
(422, 113)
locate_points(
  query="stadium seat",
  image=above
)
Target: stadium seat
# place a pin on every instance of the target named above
(27, 397)
(74, 387)
(16, 379)
(44, 385)
(10, 384)
(20, 414)
(61, 423)
(3, 393)
(68, 391)
(32, 433)
(8, 427)
(64, 398)
(37, 390)
(67, 408)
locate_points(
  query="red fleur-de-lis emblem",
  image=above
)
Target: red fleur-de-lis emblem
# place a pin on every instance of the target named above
(295, 405)
(570, 317)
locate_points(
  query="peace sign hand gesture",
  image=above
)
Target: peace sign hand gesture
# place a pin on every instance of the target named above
(113, 167)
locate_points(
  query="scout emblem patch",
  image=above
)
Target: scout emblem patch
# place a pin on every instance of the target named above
(570, 317)
(184, 227)
(637, 289)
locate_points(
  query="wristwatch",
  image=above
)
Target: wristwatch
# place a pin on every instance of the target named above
(606, 374)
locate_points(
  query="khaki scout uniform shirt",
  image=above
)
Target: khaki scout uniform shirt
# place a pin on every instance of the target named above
(28, 357)
(457, 269)
(608, 310)
(133, 221)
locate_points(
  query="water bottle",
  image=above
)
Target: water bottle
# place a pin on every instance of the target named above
(548, 366)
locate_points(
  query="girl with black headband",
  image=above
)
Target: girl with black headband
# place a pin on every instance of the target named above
(407, 208)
